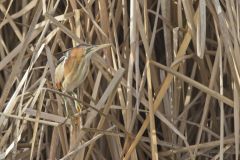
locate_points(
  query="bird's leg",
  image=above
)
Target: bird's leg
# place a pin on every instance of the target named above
(66, 109)
(75, 120)
(77, 111)
(73, 109)
(69, 107)
(77, 105)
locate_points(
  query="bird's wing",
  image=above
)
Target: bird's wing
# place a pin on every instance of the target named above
(59, 74)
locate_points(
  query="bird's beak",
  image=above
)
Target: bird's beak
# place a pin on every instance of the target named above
(95, 48)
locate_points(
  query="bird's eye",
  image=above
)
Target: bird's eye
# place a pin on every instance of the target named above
(60, 60)
(88, 50)
(66, 54)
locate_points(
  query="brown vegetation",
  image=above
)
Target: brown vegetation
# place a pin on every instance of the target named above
(167, 88)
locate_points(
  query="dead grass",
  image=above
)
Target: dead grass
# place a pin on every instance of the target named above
(167, 88)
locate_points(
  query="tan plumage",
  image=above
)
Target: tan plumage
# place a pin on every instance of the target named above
(73, 69)
(58, 76)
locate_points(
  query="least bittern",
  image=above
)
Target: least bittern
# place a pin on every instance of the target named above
(74, 66)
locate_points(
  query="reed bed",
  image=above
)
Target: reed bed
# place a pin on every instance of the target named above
(167, 88)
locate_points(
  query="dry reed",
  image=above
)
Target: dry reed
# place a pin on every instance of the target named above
(167, 88)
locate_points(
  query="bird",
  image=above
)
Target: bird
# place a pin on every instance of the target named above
(73, 67)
